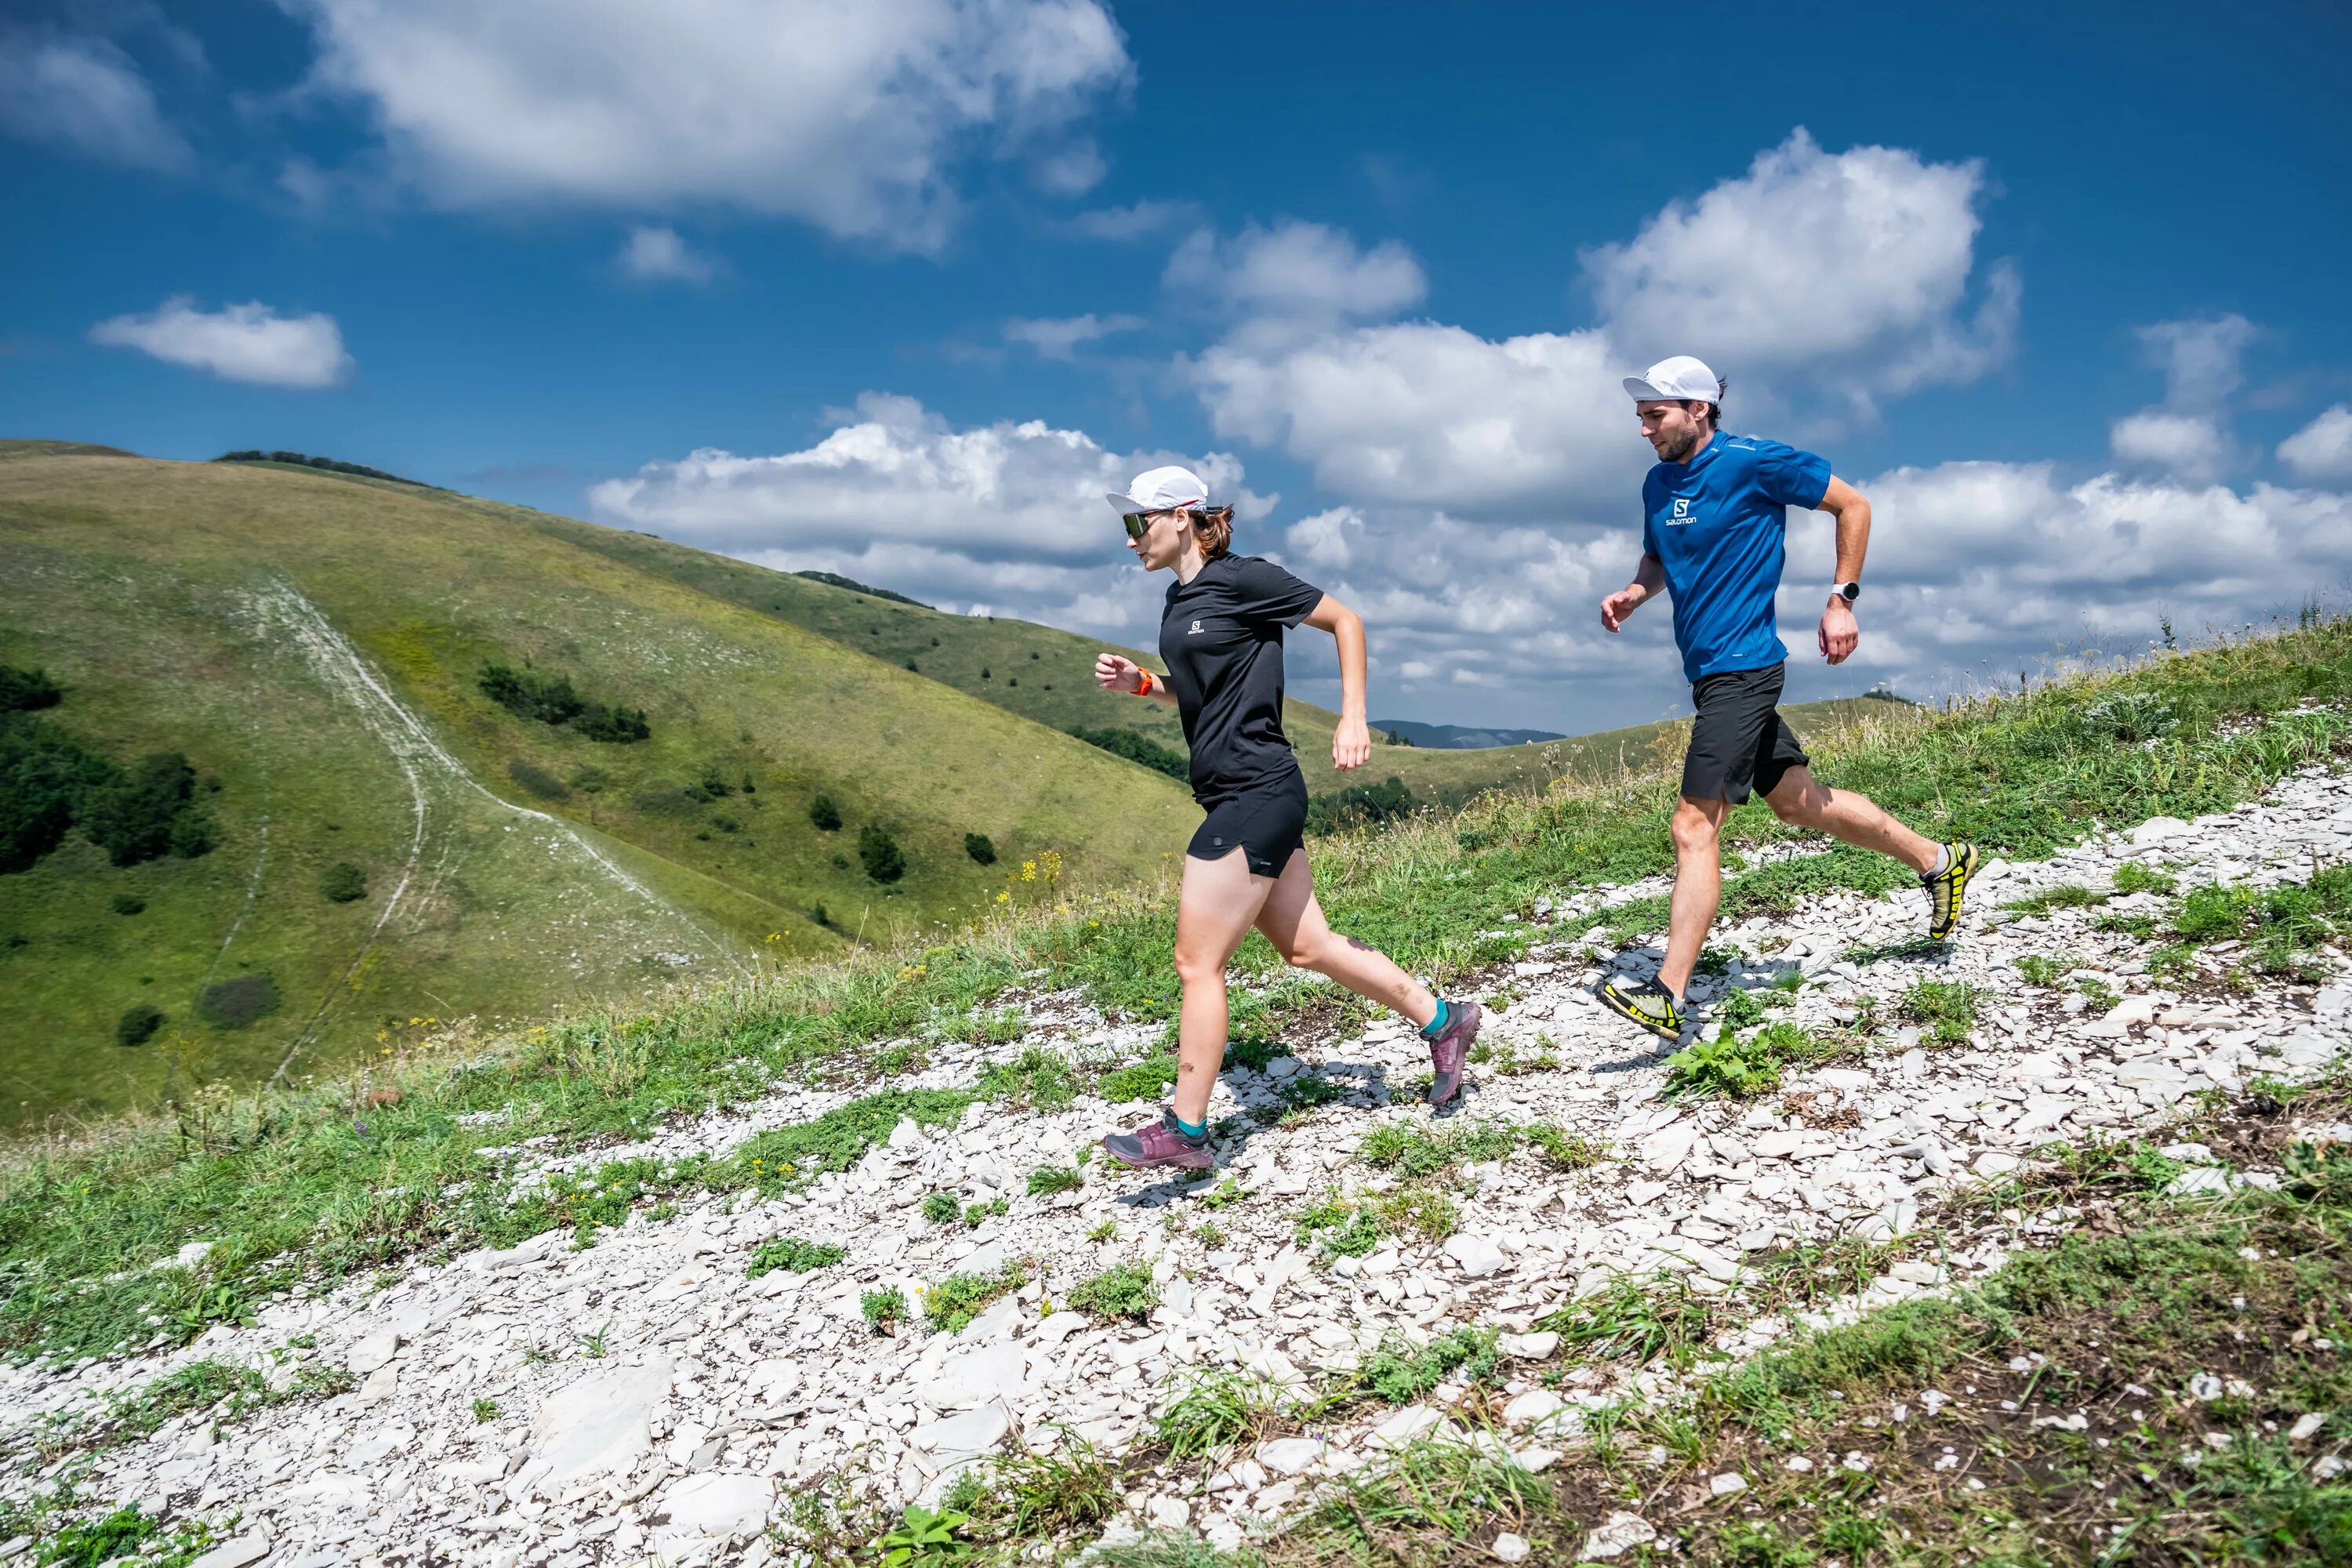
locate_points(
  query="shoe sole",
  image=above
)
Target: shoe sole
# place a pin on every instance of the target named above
(1125, 1164)
(1959, 900)
(1660, 1030)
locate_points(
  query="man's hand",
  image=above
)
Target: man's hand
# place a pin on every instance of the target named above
(1621, 603)
(1114, 673)
(1351, 744)
(1839, 633)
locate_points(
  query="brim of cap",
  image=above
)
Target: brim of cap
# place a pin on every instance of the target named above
(1642, 392)
(1121, 504)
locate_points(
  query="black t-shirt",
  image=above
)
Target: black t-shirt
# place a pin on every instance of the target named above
(1221, 635)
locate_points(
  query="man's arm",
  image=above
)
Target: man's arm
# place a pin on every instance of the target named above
(1839, 633)
(1648, 579)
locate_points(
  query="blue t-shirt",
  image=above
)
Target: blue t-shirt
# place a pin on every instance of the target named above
(1720, 522)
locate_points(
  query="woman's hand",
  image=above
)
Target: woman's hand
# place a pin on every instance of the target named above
(1351, 744)
(1115, 673)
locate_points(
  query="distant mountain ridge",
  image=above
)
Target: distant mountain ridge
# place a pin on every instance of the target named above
(1461, 737)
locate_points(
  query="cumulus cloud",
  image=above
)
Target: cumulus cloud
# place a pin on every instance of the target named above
(848, 113)
(1850, 272)
(2321, 452)
(659, 255)
(2186, 435)
(82, 92)
(249, 343)
(1297, 272)
(1009, 515)
(1852, 267)
(1062, 337)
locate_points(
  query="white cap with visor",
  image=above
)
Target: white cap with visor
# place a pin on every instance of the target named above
(1675, 380)
(1160, 490)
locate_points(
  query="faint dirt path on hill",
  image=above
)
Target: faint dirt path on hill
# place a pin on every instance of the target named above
(284, 609)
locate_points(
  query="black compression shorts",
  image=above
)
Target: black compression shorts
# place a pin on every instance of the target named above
(1266, 821)
(1739, 739)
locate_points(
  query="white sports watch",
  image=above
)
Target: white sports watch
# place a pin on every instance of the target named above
(1849, 592)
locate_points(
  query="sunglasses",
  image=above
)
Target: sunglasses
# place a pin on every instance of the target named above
(1138, 522)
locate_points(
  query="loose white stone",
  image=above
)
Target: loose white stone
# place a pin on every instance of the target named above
(1728, 1482)
(1290, 1455)
(1477, 1256)
(717, 1503)
(1510, 1548)
(1616, 1535)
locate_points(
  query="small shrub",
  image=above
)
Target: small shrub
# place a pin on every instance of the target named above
(2131, 876)
(1949, 1007)
(884, 1307)
(791, 1253)
(1146, 1079)
(2212, 913)
(956, 1300)
(537, 779)
(127, 904)
(145, 812)
(1039, 1077)
(2043, 969)
(613, 726)
(978, 847)
(1733, 1065)
(1124, 1291)
(23, 691)
(236, 1004)
(1047, 1180)
(138, 1023)
(343, 882)
(485, 1411)
(879, 854)
(941, 1208)
(1565, 1149)
(825, 813)
(529, 695)
(1398, 1372)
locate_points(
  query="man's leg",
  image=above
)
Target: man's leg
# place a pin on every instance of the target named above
(1802, 800)
(1698, 888)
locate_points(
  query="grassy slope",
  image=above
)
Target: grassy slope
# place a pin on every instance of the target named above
(1046, 673)
(273, 1180)
(157, 592)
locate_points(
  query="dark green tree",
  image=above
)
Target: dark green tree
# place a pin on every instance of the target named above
(138, 1023)
(976, 846)
(825, 813)
(879, 854)
(22, 690)
(343, 882)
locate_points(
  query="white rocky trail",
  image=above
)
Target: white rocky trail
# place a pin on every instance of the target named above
(652, 1402)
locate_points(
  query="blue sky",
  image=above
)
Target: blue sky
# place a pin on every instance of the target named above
(2054, 288)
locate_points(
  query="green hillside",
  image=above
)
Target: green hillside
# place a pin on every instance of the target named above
(313, 644)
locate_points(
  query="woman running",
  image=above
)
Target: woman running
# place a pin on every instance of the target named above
(1220, 637)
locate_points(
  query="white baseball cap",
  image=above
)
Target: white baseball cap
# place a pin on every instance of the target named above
(1162, 490)
(1672, 380)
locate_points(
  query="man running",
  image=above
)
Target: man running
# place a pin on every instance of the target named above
(1714, 534)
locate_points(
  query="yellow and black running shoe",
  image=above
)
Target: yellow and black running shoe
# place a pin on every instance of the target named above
(1650, 1005)
(1945, 889)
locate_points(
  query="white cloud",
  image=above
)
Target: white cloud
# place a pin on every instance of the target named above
(84, 94)
(237, 342)
(658, 255)
(2321, 452)
(848, 113)
(1416, 413)
(1297, 272)
(1137, 221)
(1061, 337)
(1008, 515)
(1071, 172)
(2186, 435)
(1848, 273)
(1852, 268)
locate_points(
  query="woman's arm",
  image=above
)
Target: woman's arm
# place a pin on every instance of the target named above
(1351, 744)
(1116, 672)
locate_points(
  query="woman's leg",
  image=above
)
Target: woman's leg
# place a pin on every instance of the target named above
(1214, 910)
(1294, 922)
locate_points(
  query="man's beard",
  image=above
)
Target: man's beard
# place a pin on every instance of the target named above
(1678, 448)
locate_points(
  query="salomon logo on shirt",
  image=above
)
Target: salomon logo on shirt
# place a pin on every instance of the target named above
(1682, 512)
(1195, 631)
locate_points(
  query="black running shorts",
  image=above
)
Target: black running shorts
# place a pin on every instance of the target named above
(1738, 740)
(1265, 821)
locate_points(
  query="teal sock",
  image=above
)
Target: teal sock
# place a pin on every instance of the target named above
(1196, 1130)
(1437, 1026)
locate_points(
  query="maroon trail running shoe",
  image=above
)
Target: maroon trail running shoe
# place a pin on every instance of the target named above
(1159, 1145)
(1451, 1051)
